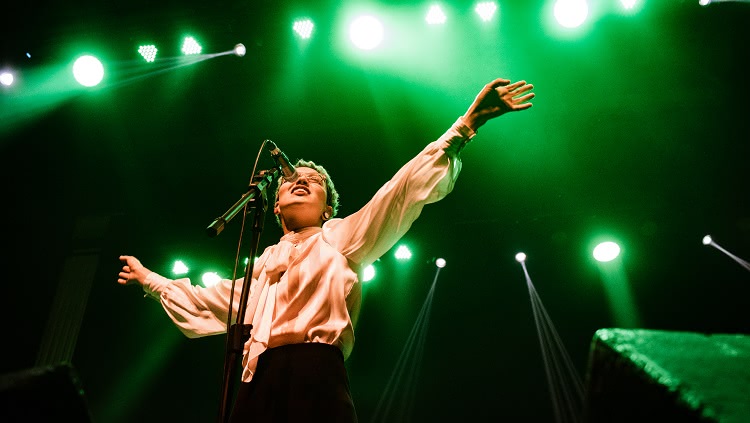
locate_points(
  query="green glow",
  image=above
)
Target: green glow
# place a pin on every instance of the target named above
(35, 93)
(618, 291)
(135, 375)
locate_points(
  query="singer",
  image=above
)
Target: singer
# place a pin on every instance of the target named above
(305, 292)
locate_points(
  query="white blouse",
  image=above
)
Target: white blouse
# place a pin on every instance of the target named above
(306, 288)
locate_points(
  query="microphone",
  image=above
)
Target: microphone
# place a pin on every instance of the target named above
(287, 168)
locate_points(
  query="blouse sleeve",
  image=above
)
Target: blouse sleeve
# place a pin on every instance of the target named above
(197, 311)
(371, 231)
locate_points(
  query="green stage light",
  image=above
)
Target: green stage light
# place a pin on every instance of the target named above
(240, 50)
(606, 251)
(148, 52)
(368, 274)
(210, 279)
(6, 78)
(435, 16)
(303, 28)
(571, 13)
(88, 71)
(190, 46)
(402, 253)
(180, 268)
(366, 32)
(486, 10)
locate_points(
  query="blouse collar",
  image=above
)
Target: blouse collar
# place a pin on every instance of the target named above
(295, 237)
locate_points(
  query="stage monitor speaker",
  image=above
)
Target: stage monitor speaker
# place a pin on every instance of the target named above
(43, 394)
(661, 376)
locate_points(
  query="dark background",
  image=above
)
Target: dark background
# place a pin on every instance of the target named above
(639, 133)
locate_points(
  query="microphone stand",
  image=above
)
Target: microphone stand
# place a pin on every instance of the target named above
(239, 333)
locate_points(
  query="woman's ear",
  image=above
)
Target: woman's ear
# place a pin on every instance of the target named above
(276, 209)
(328, 213)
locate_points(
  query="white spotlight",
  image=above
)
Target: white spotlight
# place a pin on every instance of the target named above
(707, 240)
(606, 251)
(366, 32)
(521, 257)
(240, 50)
(440, 263)
(369, 273)
(88, 70)
(571, 13)
(6, 78)
(210, 279)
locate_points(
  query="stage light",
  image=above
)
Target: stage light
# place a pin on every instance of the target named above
(240, 50)
(486, 10)
(571, 13)
(180, 268)
(440, 263)
(366, 32)
(402, 253)
(148, 52)
(303, 28)
(368, 274)
(606, 251)
(6, 78)
(88, 70)
(628, 4)
(521, 257)
(210, 279)
(190, 46)
(707, 240)
(435, 15)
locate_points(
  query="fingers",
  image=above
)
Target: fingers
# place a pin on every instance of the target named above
(525, 98)
(123, 277)
(516, 88)
(130, 265)
(499, 82)
(515, 85)
(517, 95)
